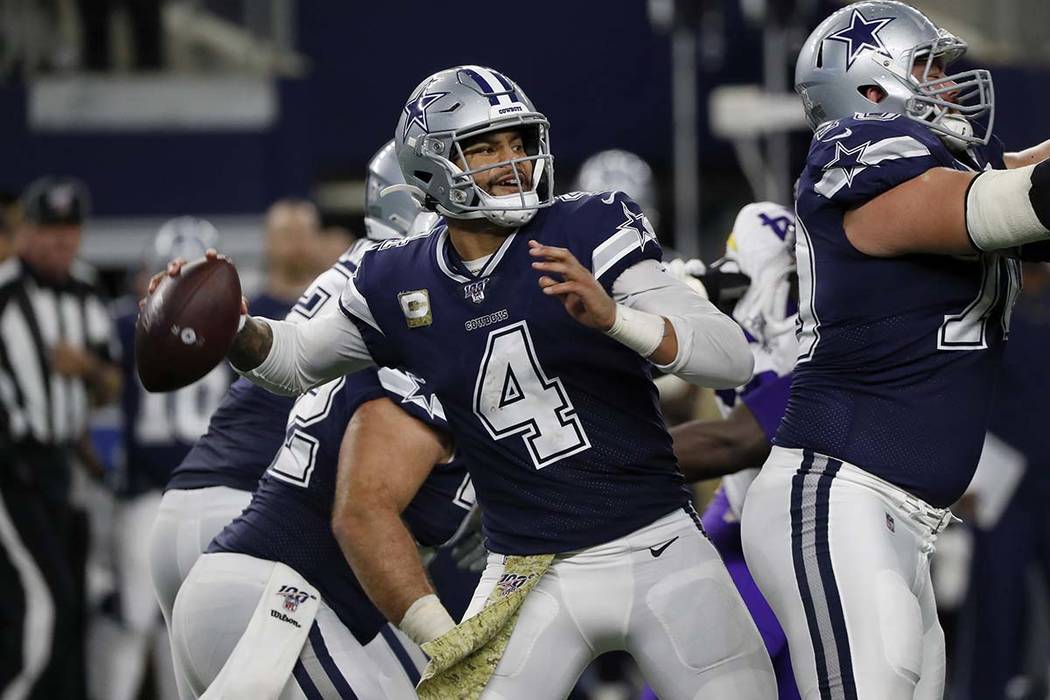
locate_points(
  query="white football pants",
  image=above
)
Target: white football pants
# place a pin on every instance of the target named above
(187, 521)
(843, 558)
(214, 607)
(661, 593)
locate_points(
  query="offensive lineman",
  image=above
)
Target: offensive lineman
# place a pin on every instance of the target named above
(906, 284)
(525, 359)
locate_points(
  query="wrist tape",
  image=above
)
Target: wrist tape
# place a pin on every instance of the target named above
(639, 330)
(426, 620)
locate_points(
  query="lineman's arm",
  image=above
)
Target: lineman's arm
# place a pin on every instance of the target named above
(707, 449)
(950, 212)
(385, 457)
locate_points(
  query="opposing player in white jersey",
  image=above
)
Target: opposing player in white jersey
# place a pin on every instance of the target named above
(508, 314)
(909, 220)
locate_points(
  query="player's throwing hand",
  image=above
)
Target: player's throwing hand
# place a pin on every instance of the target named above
(584, 299)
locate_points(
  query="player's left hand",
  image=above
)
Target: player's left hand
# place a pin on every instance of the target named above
(583, 297)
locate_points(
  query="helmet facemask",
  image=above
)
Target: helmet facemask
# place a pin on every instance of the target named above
(467, 200)
(961, 120)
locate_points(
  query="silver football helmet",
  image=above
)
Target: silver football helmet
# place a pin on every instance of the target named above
(616, 169)
(397, 213)
(185, 237)
(879, 43)
(447, 109)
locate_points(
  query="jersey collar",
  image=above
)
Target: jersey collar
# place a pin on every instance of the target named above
(449, 262)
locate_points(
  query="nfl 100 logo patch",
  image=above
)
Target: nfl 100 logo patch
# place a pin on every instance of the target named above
(293, 597)
(508, 583)
(475, 291)
(415, 304)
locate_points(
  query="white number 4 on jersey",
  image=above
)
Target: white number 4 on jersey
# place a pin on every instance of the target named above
(514, 396)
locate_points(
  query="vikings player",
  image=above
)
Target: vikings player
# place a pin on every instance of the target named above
(909, 219)
(536, 320)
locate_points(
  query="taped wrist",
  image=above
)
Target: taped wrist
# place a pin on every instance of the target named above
(641, 331)
(426, 620)
(1009, 208)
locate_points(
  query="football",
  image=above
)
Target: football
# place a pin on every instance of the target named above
(188, 324)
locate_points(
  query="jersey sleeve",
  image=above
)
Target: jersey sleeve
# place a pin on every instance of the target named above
(610, 233)
(354, 304)
(767, 403)
(409, 393)
(860, 158)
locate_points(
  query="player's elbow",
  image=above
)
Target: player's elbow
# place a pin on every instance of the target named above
(737, 361)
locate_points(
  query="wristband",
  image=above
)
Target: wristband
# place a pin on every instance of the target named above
(426, 620)
(641, 331)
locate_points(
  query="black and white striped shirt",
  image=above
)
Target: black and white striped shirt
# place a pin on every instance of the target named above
(41, 407)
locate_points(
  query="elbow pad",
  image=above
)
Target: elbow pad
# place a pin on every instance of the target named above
(1009, 208)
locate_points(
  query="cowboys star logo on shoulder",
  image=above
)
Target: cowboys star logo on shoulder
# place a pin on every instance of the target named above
(475, 290)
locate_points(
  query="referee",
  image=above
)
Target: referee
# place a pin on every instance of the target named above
(55, 363)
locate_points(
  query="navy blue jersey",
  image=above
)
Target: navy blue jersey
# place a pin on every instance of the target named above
(248, 426)
(158, 429)
(289, 517)
(898, 356)
(560, 425)
(269, 306)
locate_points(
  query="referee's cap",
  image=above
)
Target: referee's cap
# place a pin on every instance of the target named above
(56, 201)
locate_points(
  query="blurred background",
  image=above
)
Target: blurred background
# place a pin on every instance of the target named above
(220, 108)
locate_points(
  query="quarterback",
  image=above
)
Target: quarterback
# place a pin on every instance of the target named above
(536, 321)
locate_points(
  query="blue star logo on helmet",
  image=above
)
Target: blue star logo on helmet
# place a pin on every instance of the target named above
(417, 111)
(861, 34)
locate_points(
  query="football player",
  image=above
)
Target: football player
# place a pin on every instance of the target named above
(536, 320)
(291, 619)
(158, 431)
(214, 483)
(909, 219)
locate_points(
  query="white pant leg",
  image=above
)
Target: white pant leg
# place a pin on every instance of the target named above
(546, 653)
(677, 612)
(690, 631)
(934, 664)
(842, 567)
(212, 611)
(399, 659)
(187, 521)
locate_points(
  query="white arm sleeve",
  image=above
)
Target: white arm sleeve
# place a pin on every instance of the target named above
(712, 349)
(310, 353)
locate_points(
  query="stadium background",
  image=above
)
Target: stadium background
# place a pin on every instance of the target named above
(256, 100)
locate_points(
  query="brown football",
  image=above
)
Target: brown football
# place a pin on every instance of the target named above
(188, 324)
